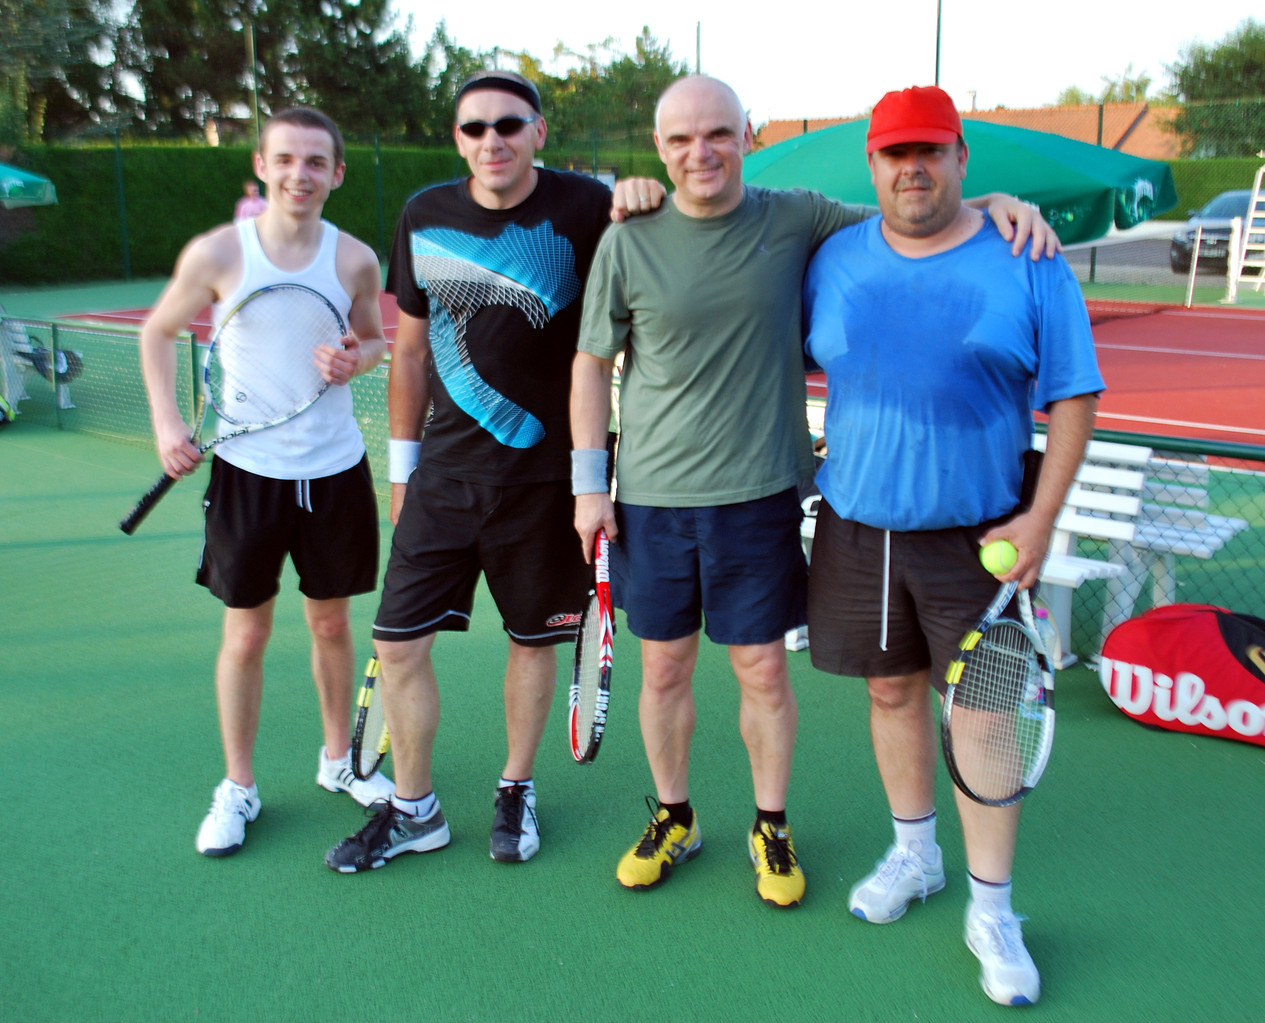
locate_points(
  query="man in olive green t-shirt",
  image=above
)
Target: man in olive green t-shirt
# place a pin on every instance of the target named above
(703, 300)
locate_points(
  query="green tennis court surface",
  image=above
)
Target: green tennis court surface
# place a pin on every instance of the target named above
(1135, 860)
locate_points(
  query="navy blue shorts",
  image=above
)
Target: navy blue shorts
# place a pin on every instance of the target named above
(736, 569)
(328, 527)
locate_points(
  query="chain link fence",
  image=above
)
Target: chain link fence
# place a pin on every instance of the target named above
(86, 378)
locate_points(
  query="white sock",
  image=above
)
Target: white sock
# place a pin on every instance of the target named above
(419, 808)
(343, 761)
(506, 783)
(918, 836)
(989, 896)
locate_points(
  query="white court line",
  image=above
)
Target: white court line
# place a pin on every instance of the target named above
(1184, 351)
(1182, 422)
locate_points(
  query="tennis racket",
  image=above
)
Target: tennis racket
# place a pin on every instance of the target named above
(594, 644)
(370, 740)
(997, 725)
(259, 370)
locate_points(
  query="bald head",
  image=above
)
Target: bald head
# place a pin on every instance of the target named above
(699, 89)
(702, 134)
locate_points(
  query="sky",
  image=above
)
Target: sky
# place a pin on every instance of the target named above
(787, 64)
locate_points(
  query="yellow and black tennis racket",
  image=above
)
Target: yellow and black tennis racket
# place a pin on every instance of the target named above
(997, 724)
(370, 739)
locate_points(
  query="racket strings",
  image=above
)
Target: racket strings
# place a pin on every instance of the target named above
(588, 672)
(261, 367)
(998, 715)
(374, 736)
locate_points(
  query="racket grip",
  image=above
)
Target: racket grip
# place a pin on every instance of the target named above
(142, 508)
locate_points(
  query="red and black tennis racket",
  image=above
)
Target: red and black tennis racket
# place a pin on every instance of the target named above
(594, 645)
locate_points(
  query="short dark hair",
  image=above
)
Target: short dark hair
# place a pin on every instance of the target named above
(307, 117)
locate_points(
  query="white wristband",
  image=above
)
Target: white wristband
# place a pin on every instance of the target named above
(402, 458)
(588, 471)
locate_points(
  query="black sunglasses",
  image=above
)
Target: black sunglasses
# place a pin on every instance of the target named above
(505, 127)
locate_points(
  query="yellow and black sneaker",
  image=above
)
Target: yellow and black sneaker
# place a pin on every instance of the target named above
(663, 846)
(779, 881)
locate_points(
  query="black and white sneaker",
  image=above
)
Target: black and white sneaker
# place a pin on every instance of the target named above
(224, 829)
(389, 832)
(515, 833)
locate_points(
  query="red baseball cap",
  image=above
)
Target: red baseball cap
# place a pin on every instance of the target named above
(919, 114)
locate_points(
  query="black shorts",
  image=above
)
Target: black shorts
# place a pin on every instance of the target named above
(521, 538)
(328, 527)
(937, 590)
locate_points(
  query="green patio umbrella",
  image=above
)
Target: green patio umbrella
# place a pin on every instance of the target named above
(1082, 189)
(22, 188)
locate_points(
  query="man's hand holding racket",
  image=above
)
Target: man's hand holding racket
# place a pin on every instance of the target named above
(592, 513)
(337, 364)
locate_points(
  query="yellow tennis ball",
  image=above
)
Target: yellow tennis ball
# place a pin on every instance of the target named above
(999, 556)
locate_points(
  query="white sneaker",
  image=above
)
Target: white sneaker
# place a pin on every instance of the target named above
(1007, 973)
(901, 876)
(337, 776)
(224, 828)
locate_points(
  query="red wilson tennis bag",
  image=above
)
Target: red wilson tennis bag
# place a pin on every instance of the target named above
(1190, 668)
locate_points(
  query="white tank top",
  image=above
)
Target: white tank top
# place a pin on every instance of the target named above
(324, 439)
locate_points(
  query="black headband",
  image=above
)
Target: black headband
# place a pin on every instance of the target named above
(501, 81)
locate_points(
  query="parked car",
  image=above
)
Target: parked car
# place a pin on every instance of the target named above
(1215, 219)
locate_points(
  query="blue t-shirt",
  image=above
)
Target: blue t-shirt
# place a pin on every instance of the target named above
(932, 366)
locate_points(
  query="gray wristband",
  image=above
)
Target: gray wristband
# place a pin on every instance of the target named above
(588, 471)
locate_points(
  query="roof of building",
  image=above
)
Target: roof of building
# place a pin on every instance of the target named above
(1140, 129)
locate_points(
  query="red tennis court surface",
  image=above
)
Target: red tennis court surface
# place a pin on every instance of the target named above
(1196, 373)
(201, 325)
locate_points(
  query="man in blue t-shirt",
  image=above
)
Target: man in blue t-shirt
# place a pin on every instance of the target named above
(936, 346)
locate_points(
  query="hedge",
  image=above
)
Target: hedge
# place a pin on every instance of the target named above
(169, 193)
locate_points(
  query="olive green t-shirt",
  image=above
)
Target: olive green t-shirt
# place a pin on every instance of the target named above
(707, 312)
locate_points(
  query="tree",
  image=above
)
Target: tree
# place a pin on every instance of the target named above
(189, 59)
(1220, 87)
(447, 66)
(351, 62)
(49, 82)
(613, 101)
(1128, 88)
(1074, 96)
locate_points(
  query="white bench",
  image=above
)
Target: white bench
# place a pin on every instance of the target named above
(1173, 522)
(1147, 508)
(1103, 503)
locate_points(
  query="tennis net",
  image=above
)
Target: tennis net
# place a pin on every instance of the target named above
(1140, 272)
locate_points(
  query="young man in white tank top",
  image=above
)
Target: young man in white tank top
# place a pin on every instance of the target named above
(317, 507)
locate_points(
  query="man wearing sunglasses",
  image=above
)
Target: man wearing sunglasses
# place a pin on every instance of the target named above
(488, 272)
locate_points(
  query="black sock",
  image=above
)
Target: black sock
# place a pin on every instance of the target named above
(775, 817)
(680, 813)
